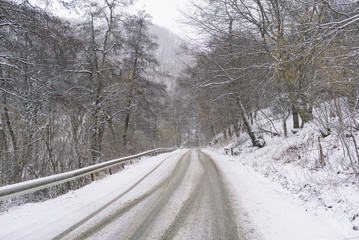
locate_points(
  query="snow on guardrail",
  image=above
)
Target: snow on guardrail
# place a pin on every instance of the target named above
(31, 186)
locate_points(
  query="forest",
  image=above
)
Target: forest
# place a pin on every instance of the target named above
(261, 62)
(75, 94)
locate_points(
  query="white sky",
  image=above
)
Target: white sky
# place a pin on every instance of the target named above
(165, 13)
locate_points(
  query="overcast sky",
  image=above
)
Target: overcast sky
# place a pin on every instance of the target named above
(165, 12)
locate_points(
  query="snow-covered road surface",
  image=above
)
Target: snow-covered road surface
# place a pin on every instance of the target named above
(187, 194)
(179, 196)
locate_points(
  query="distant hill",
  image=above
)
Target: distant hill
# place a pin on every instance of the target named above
(171, 63)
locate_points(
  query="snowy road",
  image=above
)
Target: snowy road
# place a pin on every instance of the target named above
(189, 200)
(182, 196)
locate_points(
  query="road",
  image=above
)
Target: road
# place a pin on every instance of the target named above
(180, 198)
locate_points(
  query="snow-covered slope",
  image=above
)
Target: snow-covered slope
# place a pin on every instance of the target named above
(290, 165)
(171, 62)
(272, 212)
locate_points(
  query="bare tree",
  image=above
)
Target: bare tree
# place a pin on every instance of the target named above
(140, 59)
(32, 61)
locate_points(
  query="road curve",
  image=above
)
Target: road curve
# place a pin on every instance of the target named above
(190, 201)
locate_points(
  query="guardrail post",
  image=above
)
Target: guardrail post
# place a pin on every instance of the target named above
(92, 177)
(110, 171)
(29, 197)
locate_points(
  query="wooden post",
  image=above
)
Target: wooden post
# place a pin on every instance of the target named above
(92, 177)
(226, 150)
(69, 185)
(110, 171)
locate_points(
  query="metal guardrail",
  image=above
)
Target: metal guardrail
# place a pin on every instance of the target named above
(31, 186)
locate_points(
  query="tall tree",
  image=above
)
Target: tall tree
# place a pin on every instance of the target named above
(102, 41)
(139, 60)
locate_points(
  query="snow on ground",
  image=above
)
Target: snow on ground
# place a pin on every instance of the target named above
(286, 193)
(273, 211)
(277, 194)
(45, 219)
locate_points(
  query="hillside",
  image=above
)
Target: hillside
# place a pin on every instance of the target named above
(171, 63)
(329, 190)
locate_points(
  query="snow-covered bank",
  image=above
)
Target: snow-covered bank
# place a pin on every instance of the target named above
(284, 191)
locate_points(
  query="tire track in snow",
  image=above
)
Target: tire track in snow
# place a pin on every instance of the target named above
(98, 226)
(95, 213)
(173, 181)
(205, 212)
(208, 206)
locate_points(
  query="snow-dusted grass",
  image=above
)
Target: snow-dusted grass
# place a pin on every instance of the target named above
(291, 167)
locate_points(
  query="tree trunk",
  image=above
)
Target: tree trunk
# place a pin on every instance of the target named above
(295, 117)
(95, 157)
(306, 110)
(236, 128)
(256, 142)
(352, 100)
(75, 138)
(285, 129)
(111, 126)
(127, 122)
(9, 127)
